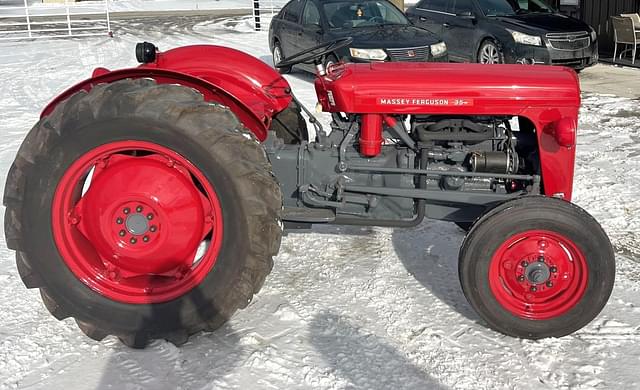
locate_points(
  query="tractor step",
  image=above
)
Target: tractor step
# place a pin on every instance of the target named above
(307, 215)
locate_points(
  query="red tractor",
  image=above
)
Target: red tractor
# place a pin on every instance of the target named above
(149, 202)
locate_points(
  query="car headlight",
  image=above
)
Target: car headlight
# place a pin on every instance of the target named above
(438, 49)
(368, 54)
(594, 35)
(526, 39)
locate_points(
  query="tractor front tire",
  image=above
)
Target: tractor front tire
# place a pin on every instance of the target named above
(143, 212)
(537, 267)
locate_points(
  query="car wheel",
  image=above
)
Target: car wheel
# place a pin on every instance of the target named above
(278, 56)
(329, 61)
(490, 53)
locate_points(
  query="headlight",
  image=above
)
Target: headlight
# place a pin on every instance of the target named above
(368, 54)
(438, 49)
(594, 35)
(526, 39)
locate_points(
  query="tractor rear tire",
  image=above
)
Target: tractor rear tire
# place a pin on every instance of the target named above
(174, 176)
(537, 267)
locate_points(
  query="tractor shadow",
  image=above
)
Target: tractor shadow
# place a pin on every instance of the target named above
(429, 252)
(362, 358)
(205, 358)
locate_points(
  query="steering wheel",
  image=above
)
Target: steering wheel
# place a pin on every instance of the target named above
(314, 52)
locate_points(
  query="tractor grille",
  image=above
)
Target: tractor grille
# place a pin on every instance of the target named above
(569, 41)
(409, 53)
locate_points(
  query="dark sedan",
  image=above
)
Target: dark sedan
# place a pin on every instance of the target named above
(379, 30)
(508, 31)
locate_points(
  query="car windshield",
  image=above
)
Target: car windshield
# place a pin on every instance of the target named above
(350, 14)
(513, 7)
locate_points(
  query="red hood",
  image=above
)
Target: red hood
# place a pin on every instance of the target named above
(434, 88)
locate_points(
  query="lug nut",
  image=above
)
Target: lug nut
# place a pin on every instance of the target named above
(119, 221)
(524, 264)
(122, 233)
(149, 216)
(139, 208)
(553, 269)
(153, 228)
(549, 283)
(126, 210)
(541, 259)
(145, 238)
(534, 288)
(133, 240)
(521, 278)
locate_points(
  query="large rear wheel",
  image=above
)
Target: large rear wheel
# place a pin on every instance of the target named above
(143, 212)
(537, 267)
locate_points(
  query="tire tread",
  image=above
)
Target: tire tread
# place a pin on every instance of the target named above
(210, 124)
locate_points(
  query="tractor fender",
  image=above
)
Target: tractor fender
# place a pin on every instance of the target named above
(253, 91)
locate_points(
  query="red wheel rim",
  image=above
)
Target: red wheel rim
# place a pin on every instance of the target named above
(137, 222)
(538, 275)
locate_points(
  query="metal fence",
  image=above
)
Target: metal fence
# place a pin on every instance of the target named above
(264, 10)
(28, 20)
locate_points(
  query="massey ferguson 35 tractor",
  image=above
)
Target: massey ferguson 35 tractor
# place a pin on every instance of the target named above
(148, 203)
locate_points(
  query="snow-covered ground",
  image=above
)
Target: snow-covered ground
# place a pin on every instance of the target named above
(345, 307)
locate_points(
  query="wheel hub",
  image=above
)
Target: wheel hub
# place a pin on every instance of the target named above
(137, 190)
(134, 234)
(137, 224)
(537, 273)
(548, 280)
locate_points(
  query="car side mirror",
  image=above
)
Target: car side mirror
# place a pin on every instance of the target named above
(466, 15)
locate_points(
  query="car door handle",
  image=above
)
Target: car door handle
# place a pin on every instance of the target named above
(423, 19)
(446, 25)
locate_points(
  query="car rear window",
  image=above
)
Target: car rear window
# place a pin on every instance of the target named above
(311, 15)
(292, 11)
(462, 6)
